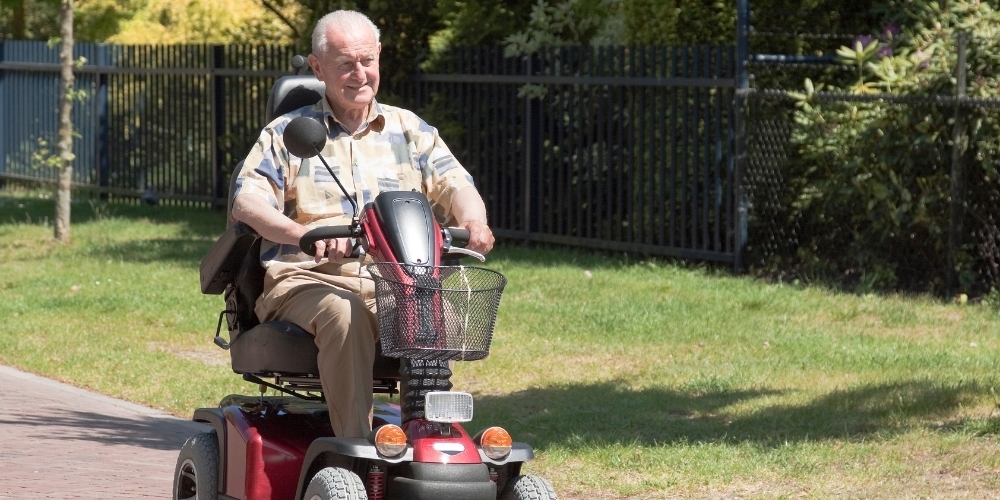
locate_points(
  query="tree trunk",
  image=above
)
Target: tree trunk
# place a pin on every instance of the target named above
(17, 21)
(64, 186)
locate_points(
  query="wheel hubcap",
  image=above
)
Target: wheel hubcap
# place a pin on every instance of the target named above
(187, 482)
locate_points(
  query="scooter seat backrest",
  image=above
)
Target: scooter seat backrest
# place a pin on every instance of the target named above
(293, 92)
(249, 286)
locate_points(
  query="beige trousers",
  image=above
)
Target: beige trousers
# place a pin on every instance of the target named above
(339, 312)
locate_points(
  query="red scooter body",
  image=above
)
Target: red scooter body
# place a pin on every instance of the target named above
(266, 440)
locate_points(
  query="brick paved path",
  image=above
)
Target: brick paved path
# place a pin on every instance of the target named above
(58, 441)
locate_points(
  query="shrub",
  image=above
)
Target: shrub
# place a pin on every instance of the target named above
(871, 184)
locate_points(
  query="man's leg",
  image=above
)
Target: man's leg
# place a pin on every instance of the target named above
(338, 312)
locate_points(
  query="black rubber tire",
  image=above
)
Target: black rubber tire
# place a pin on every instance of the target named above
(196, 476)
(528, 488)
(334, 483)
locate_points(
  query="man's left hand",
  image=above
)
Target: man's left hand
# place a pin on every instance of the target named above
(480, 236)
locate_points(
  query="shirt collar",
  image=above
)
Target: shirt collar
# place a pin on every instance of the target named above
(375, 120)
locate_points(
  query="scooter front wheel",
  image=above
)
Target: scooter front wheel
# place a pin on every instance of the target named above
(196, 476)
(529, 488)
(334, 483)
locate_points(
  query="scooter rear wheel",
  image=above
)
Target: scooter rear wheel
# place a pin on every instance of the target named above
(196, 476)
(529, 488)
(334, 483)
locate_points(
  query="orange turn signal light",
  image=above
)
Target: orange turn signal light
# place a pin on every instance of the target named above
(390, 440)
(496, 442)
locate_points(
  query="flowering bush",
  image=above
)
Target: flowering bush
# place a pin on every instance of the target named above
(872, 180)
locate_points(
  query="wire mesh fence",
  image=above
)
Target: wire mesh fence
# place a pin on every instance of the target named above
(901, 208)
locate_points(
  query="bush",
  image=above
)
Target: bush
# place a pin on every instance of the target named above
(871, 184)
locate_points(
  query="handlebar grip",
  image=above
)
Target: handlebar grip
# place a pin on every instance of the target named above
(308, 241)
(459, 236)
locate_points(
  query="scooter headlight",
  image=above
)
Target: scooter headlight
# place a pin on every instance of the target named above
(390, 440)
(448, 407)
(495, 442)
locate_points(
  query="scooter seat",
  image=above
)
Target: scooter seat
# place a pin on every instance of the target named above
(279, 347)
(274, 347)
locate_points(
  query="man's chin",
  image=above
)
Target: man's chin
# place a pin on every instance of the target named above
(359, 95)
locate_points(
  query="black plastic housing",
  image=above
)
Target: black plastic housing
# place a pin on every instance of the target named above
(408, 225)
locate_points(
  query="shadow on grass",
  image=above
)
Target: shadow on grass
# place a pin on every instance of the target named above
(602, 414)
(199, 226)
(197, 221)
(178, 250)
(543, 255)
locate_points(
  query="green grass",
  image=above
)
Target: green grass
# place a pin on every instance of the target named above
(630, 379)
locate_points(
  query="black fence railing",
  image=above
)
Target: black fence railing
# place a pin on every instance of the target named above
(167, 121)
(625, 148)
(637, 149)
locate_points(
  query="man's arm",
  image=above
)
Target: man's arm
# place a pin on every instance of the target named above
(470, 213)
(275, 226)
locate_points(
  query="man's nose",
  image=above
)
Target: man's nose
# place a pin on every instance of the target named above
(358, 71)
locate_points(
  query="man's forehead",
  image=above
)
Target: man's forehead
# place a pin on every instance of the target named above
(351, 43)
(354, 52)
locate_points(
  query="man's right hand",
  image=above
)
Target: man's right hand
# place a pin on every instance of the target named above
(333, 249)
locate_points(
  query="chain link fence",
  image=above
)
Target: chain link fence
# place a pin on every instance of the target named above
(949, 245)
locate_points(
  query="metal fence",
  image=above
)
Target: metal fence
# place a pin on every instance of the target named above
(954, 244)
(167, 121)
(625, 148)
(636, 149)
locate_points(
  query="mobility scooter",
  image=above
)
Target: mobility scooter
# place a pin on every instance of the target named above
(268, 447)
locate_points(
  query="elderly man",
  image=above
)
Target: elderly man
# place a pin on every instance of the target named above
(371, 147)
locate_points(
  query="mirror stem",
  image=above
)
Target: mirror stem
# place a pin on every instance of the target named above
(354, 203)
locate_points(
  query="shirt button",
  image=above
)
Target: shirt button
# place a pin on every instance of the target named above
(357, 137)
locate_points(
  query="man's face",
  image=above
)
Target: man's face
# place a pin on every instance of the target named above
(349, 68)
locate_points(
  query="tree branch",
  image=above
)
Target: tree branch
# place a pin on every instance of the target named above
(271, 7)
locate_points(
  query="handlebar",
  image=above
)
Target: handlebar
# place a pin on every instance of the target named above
(308, 241)
(459, 237)
(455, 240)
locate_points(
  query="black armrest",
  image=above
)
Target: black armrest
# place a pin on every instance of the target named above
(220, 265)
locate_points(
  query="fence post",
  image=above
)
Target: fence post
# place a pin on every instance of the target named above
(101, 60)
(528, 141)
(219, 189)
(3, 113)
(740, 133)
(959, 145)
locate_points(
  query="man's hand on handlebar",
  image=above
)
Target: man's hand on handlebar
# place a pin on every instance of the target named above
(335, 249)
(480, 236)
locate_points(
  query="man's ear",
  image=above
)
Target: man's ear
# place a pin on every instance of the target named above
(317, 68)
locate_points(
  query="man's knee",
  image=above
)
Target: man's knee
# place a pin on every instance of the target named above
(340, 314)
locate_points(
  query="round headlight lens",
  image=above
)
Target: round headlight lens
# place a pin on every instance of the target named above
(496, 443)
(390, 440)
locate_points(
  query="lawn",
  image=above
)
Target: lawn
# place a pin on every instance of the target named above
(631, 378)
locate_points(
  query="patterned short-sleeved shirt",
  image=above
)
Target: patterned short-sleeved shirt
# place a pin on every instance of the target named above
(393, 151)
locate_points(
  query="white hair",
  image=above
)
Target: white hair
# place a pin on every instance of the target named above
(342, 21)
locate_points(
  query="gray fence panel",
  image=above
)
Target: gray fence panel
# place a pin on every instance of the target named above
(167, 122)
(29, 105)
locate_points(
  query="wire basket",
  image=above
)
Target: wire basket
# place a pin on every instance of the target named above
(436, 312)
